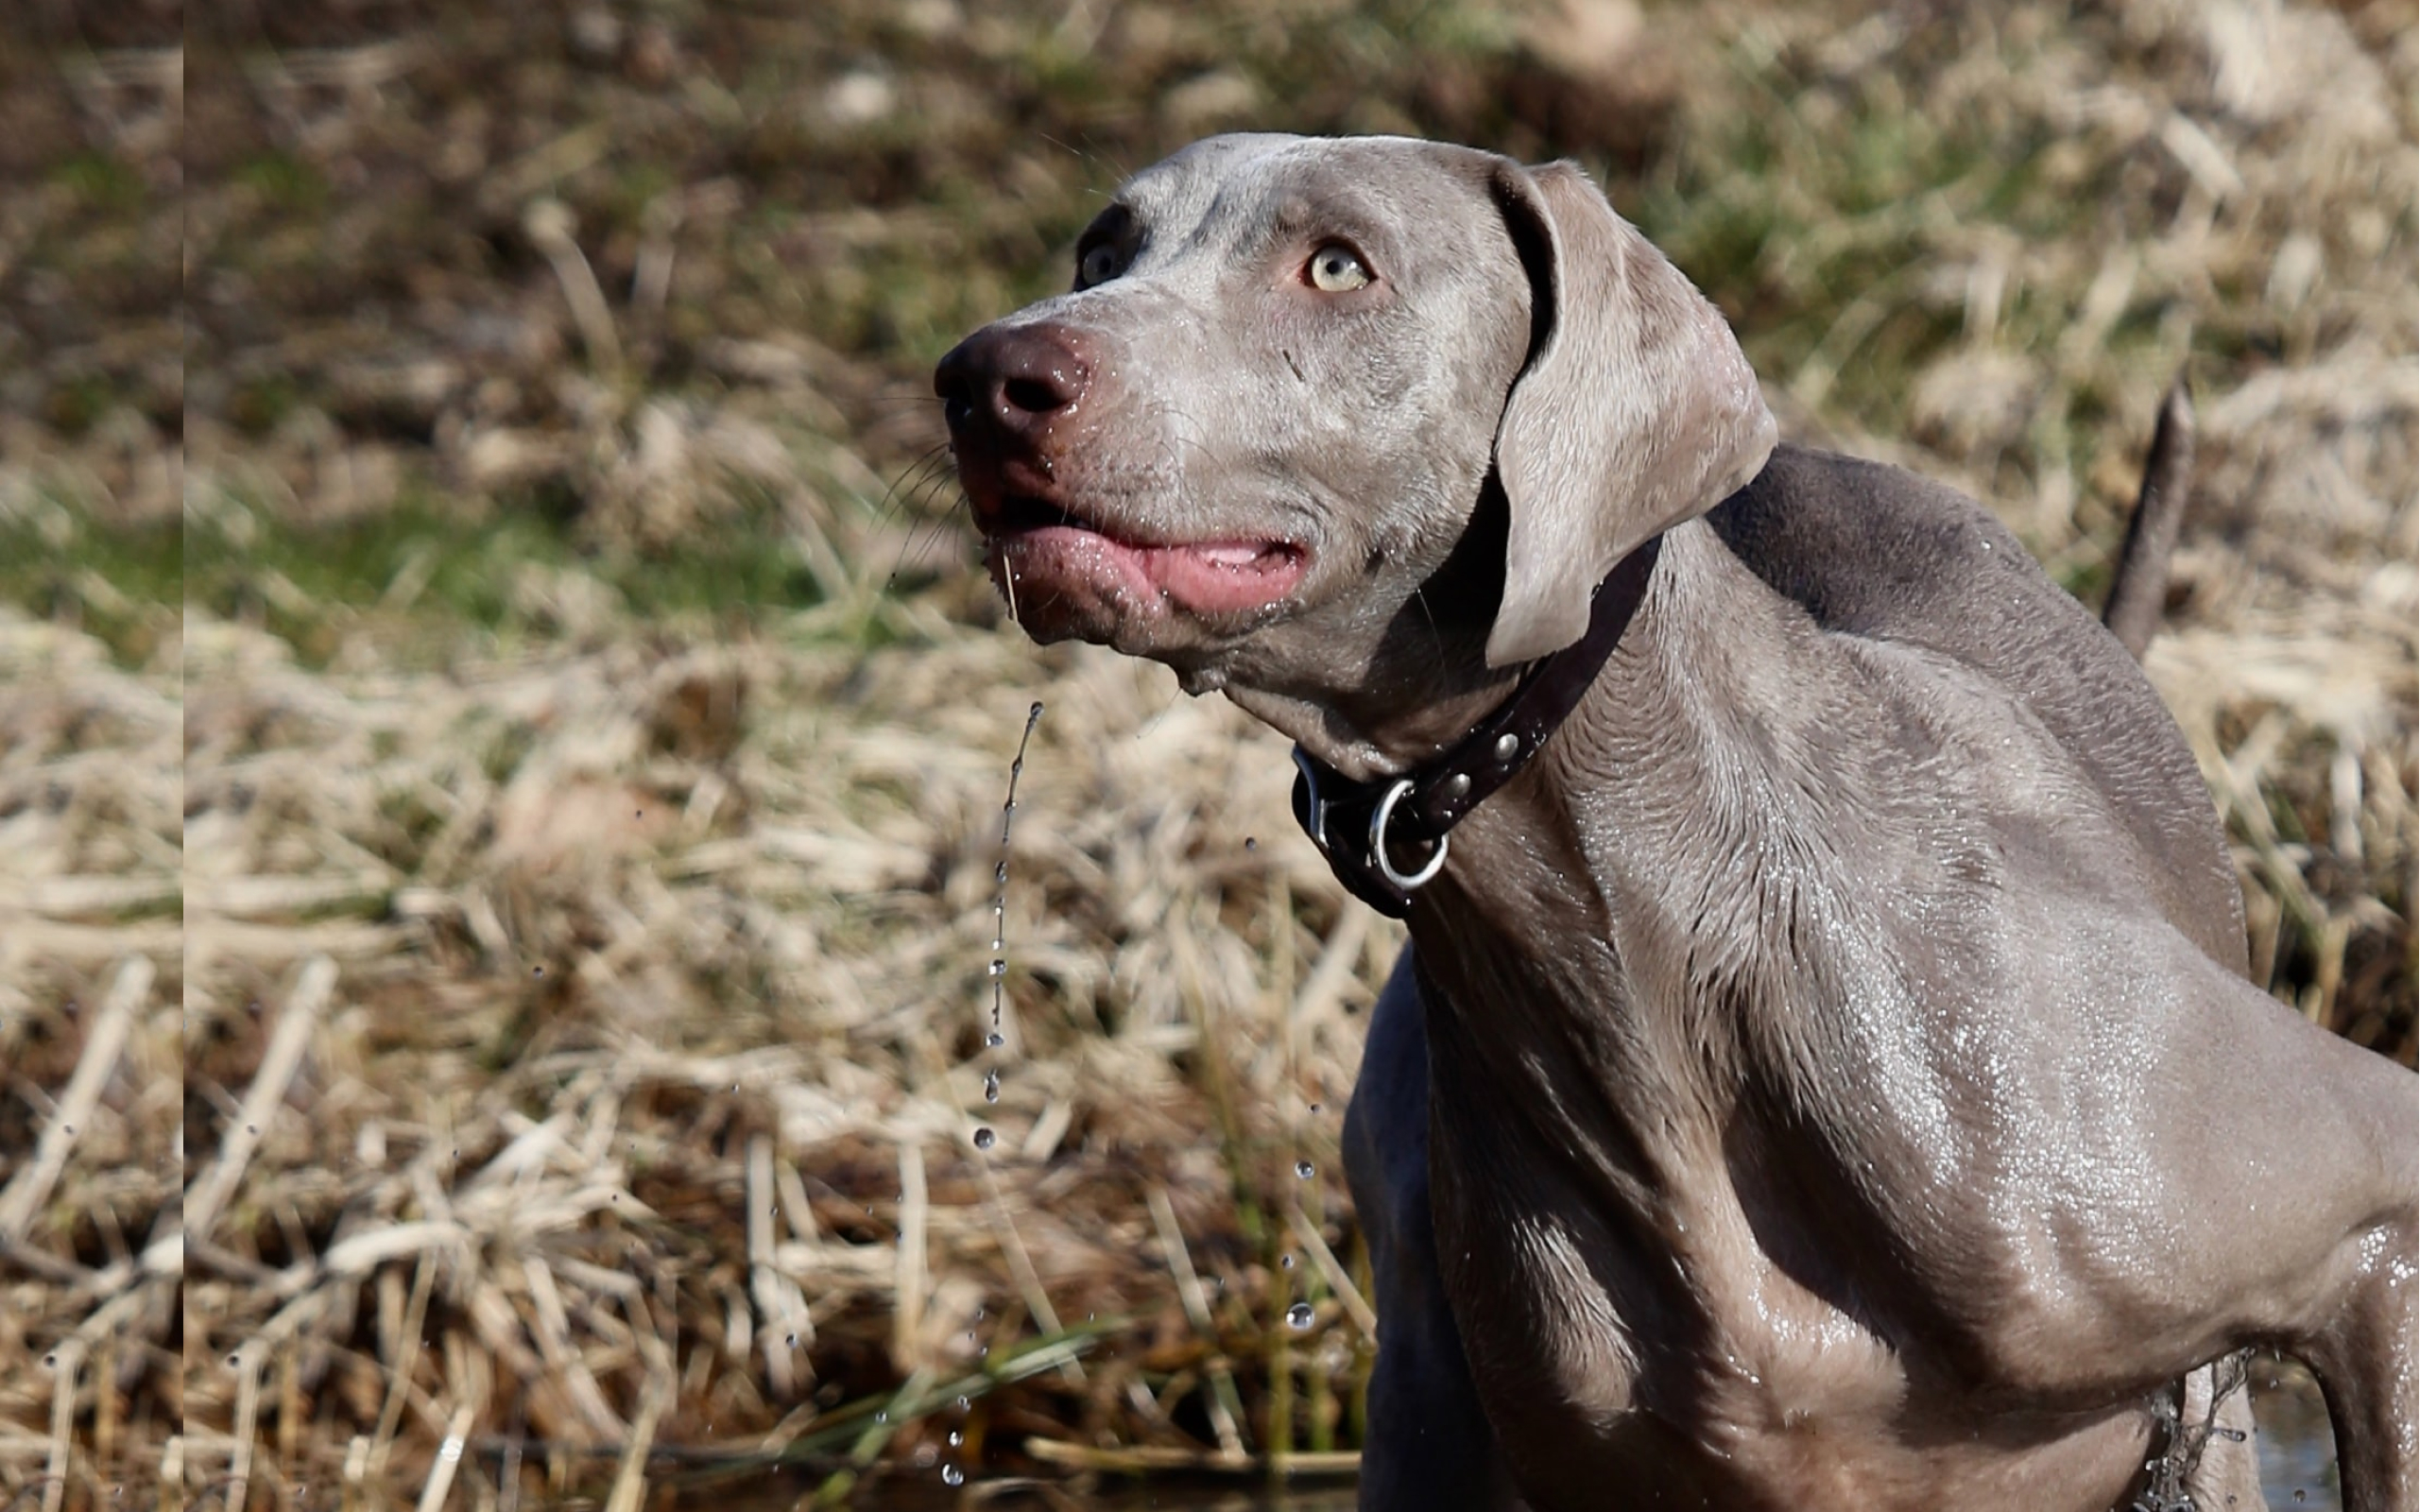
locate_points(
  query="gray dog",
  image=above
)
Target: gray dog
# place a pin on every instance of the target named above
(1822, 1074)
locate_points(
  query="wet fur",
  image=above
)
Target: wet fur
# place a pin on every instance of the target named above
(1825, 1079)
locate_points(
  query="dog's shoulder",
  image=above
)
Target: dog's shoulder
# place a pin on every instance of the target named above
(1875, 551)
(1870, 549)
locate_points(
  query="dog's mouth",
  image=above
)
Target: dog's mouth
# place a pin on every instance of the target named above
(1043, 550)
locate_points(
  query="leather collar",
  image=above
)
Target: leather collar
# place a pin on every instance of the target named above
(1361, 827)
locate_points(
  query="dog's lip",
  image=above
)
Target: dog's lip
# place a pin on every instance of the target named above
(1037, 538)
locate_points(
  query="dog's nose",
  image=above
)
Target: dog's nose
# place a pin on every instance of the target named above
(1018, 379)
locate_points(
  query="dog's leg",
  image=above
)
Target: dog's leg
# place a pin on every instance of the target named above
(1429, 1444)
(2366, 1359)
(2225, 1469)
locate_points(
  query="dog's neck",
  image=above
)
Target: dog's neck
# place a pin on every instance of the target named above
(1639, 859)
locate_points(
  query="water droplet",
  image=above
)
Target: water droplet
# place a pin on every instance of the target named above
(998, 944)
(956, 1438)
(991, 1087)
(993, 1041)
(1000, 873)
(1305, 1169)
(952, 1475)
(1298, 1317)
(962, 1403)
(1034, 712)
(2300, 1494)
(883, 1416)
(1285, 1262)
(984, 1138)
(1314, 1108)
(538, 970)
(1250, 843)
(999, 968)
(1009, 807)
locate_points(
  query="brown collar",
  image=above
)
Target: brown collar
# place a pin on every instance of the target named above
(1360, 827)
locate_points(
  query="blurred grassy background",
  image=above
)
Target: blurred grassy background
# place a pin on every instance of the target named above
(502, 734)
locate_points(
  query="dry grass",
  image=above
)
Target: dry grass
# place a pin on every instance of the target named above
(666, 1044)
(493, 991)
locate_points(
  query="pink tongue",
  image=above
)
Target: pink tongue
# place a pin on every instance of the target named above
(1229, 554)
(1215, 577)
(1226, 576)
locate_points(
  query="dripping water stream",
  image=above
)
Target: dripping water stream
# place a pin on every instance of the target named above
(998, 969)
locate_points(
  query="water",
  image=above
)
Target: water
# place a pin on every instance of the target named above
(943, 1488)
(2297, 1454)
(2297, 1449)
(998, 969)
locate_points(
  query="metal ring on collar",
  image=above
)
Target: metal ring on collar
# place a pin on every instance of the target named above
(1378, 842)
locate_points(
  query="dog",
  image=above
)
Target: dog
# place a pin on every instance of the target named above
(1821, 1074)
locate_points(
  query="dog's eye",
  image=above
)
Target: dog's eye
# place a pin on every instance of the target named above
(1335, 268)
(1101, 264)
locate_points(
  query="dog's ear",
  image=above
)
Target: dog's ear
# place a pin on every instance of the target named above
(1636, 410)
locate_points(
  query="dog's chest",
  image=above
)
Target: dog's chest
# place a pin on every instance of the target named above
(1695, 1368)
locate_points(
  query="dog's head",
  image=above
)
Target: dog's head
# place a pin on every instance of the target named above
(1336, 424)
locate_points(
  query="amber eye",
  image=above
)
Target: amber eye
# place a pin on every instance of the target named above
(1337, 269)
(1101, 264)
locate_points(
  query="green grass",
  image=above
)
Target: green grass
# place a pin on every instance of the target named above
(119, 584)
(422, 563)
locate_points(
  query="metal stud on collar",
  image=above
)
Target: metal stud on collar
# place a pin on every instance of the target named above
(1432, 800)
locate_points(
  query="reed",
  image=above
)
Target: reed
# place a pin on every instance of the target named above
(497, 832)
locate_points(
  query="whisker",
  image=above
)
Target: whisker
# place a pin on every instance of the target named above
(909, 480)
(932, 532)
(1090, 153)
(1436, 636)
(929, 528)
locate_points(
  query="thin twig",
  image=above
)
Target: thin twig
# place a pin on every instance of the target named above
(914, 1206)
(449, 1455)
(292, 1036)
(1021, 1261)
(548, 223)
(407, 1359)
(31, 1185)
(1339, 1279)
(172, 1474)
(779, 1302)
(630, 1479)
(1196, 1304)
(66, 1365)
(248, 1412)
